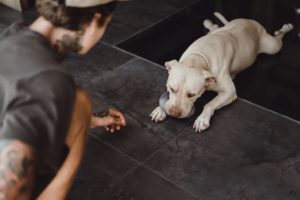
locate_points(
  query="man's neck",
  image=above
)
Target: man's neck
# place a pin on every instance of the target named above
(48, 30)
(43, 27)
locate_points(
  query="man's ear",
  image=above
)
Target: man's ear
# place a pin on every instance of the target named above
(169, 65)
(209, 78)
(92, 27)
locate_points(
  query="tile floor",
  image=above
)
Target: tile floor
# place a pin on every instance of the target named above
(248, 153)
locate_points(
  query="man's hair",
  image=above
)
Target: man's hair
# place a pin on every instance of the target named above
(73, 19)
(70, 17)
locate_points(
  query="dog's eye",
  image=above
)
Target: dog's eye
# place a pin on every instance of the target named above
(172, 90)
(190, 95)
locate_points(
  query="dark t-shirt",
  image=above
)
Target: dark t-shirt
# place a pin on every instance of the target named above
(36, 94)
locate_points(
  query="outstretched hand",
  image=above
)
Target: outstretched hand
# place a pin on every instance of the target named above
(112, 122)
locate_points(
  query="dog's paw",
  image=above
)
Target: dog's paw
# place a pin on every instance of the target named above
(201, 123)
(158, 115)
(284, 29)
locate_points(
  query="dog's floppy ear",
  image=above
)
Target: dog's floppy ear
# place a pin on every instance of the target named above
(209, 78)
(170, 64)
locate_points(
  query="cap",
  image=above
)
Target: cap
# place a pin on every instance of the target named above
(87, 3)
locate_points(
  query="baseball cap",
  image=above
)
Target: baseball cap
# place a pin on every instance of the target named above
(87, 3)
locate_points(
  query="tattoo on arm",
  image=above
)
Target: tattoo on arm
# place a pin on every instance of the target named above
(17, 165)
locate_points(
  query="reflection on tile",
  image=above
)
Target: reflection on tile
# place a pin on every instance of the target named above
(247, 153)
(142, 184)
(101, 169)
(134, 16)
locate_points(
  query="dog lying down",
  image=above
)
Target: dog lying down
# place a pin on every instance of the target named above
(210, 63)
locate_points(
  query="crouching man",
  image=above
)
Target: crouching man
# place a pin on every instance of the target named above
(44, 117)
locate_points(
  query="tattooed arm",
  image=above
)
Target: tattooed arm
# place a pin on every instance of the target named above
(17, 165)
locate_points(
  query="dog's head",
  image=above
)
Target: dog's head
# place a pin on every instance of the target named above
(185, 85)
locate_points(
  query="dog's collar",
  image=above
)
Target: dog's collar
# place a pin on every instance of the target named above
(203, 56)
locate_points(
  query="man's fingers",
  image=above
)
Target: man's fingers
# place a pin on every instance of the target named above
(118, 116)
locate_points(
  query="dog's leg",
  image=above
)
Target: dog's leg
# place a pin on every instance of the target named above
(208, 24)
(221, 18)
(158, 114)
(272, 44)
(227, 96)
(285, 29)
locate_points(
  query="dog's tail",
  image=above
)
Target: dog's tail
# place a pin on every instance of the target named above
(221, 18)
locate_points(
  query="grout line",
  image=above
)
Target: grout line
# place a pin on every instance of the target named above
(271, 111)
(157, 22)
(134, 55)
(142, 164)
(164, 145)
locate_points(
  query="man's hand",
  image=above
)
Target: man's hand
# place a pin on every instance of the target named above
(112, 122)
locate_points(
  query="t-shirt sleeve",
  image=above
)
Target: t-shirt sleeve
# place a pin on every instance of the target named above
(39, 114)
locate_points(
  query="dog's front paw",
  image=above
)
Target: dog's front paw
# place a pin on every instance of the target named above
(158, 115)
(201, 123)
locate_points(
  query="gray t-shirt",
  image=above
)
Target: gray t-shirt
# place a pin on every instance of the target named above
(36, 94)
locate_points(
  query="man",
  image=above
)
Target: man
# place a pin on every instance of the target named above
(41, 110)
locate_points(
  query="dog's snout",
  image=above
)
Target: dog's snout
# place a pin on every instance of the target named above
(175, 112)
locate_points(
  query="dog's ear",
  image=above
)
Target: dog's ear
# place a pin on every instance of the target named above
(170, 64)
(209, 78)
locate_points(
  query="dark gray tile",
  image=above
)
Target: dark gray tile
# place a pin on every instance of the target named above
(179, 3)
(136, 87)
(134, 16)
(102, 168)
(134, 140)
(143, 184)
(100, 60)
(248, 153)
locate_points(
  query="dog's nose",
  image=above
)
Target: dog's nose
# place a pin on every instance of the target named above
(175, 112)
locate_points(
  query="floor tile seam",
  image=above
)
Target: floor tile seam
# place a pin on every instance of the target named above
(170, 181)
(115, 148)
(166, 144)
(140, 164)
(134, 55)
(108, 71)
(156, 22)
(132, 114)
(96, 57)
(270, 111)
(128, 172)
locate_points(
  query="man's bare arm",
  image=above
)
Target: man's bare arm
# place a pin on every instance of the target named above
(17, 165)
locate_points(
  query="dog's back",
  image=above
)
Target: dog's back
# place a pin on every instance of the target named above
(237, 42)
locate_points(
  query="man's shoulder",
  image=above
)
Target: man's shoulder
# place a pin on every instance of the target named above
(54, 80)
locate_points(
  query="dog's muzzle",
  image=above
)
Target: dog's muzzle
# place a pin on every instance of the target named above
(163, 100)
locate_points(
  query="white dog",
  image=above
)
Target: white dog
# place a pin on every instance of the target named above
(211, 63)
